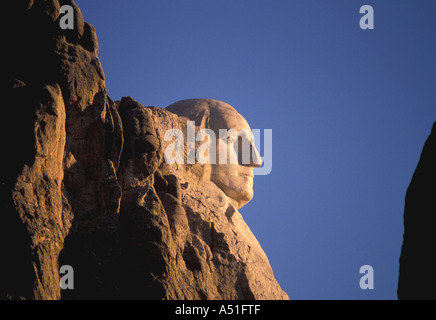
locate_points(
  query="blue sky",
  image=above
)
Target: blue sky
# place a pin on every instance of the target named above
(350, 110)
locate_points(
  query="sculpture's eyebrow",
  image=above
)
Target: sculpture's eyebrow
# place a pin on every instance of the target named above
(246, 133)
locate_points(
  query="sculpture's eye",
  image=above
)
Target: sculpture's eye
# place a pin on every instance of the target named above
(231, 140)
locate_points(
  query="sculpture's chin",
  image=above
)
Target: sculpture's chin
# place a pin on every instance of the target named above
(239, 196)
(243, 200)
(235, 181)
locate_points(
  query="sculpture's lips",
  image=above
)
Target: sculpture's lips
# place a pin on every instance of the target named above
(251, 175)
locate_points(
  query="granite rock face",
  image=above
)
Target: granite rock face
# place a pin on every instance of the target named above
(63, 137)
(83, 183)
(417, 278)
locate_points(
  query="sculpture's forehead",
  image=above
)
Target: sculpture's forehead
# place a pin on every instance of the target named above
(221, 115)
(227, 119)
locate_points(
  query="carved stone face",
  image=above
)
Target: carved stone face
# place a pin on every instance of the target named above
(236, 155)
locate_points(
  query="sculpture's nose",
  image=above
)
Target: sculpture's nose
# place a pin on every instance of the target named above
(256, 159)
(247, 153)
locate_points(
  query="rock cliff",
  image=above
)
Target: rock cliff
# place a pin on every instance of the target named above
(83, 183)
(417, 278)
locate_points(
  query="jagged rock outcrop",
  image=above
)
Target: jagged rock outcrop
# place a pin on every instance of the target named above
(83, 182)
(417, 279)
(62, 138)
